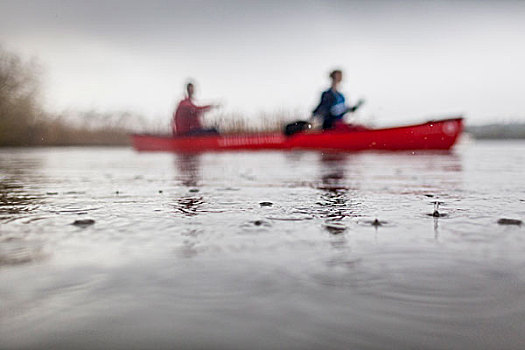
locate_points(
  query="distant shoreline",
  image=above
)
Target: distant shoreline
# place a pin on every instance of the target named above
(511, 131)
(120, 138)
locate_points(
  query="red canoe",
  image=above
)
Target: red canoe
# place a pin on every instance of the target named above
(432, 135)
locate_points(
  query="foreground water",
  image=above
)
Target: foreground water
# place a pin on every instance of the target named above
(262, 250)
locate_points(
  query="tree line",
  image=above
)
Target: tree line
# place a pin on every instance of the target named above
(24, 122)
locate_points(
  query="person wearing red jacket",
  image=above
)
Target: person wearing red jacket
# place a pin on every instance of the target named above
(186, 118)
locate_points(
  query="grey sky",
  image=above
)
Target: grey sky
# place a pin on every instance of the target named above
(409, 59)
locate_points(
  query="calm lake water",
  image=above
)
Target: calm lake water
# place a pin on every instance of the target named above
(185, 253)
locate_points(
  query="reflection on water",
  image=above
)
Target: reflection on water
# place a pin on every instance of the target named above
(18, 201)
(189, 205)
(344, 253)
(14, 198)
(188, 173)
(188, 169)
(334, 199)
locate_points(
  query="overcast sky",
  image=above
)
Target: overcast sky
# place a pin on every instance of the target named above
(410, 60)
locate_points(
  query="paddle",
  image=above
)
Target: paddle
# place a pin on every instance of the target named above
(356, 106)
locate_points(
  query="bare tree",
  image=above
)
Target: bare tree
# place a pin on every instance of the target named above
(19, 99)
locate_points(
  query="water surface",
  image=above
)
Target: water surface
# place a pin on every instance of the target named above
(265, 250)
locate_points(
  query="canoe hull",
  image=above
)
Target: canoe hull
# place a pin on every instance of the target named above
(432, 135)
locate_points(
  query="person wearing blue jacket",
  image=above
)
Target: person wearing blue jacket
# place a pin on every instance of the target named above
(332, 106)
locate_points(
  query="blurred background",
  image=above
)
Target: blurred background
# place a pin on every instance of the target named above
(118, 66)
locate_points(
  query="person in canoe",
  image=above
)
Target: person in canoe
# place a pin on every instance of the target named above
(333, 107)
(186, 118)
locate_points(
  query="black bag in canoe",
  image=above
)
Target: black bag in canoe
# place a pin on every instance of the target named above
(296, 127)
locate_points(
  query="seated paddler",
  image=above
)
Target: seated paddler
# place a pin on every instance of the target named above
(333, 106)
(187, 116)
